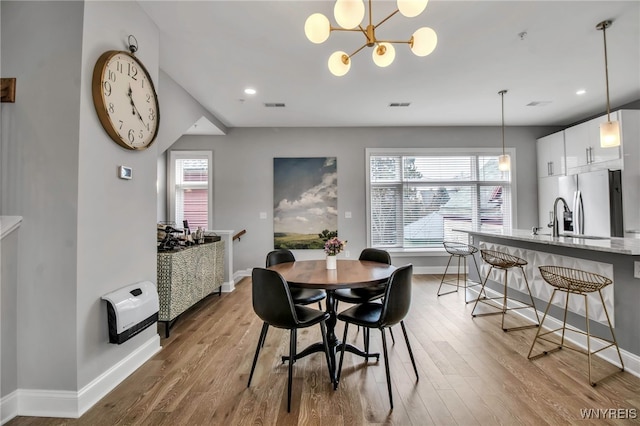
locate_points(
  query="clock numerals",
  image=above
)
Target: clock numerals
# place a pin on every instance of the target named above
(107, 88)
(124, 91)
(133, 72)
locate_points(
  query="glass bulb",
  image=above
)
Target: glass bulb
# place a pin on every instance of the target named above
(609, 134)
(317, 28)
(411, 8)
(337, 64)
(504, 163)
(348, 13)
(383, 54)
(424, 41)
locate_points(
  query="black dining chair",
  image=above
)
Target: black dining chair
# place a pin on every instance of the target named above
(366, 294)
(301, 296)
(392, 310)
(272, 302)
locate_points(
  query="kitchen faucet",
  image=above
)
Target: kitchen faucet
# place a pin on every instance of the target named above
(567, 218)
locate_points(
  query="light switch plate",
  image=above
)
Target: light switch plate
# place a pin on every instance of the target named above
(636, 269)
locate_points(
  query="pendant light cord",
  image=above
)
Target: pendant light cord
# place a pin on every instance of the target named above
(606, 66)
(502, 92)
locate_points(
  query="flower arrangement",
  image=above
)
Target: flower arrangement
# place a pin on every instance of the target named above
(333, 246)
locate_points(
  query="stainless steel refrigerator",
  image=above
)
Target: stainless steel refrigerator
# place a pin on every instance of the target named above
(595, 199)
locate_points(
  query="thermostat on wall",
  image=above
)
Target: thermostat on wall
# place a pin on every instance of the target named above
(125, 172)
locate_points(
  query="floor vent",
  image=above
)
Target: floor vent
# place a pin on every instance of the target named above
(399, 104)
(274, 104)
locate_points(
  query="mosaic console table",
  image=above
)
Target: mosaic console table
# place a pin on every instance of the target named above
(187, 276)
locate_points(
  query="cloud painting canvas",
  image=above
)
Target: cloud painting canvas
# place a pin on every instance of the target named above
(305, 202)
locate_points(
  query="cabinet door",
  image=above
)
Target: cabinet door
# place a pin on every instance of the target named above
(576, 141)
(551, 155)
(547, 193)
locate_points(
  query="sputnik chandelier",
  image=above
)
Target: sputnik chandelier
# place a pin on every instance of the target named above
(349, 15)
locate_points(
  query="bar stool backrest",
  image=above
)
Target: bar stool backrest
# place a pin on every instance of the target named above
(459, 249)
(573, 280)
(501, 260)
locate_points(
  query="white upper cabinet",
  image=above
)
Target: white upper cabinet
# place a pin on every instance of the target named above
(582, 144)
(551, 155)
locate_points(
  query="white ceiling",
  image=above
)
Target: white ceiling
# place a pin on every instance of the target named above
(215, 49)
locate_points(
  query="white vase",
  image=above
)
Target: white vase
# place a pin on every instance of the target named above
(331, 262)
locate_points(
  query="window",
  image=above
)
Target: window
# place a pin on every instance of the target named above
(190, 188)
(416, 198)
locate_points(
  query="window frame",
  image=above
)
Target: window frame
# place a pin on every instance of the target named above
(171, 174)
(425, 251)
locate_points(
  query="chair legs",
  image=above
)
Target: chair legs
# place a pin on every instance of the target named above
(503, 307)
(385, 353)
(292, 353)
(386, 366)
(541, 336)
(263, 334)
(293, 336)
(457, 282)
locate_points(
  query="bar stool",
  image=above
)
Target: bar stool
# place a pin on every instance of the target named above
(575, 281)
(504, 261)
(460, 251)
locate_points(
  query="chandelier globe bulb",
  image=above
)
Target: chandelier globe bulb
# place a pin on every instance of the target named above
(423, 41)
(412, 8)
(317, 28)
(339, 63)
(383, 54)
(348, 13)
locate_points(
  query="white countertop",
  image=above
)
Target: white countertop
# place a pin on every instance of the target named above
(627, 246)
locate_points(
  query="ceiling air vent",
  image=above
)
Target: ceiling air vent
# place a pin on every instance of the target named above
(539, 103)
(399, 104)
(274, 105)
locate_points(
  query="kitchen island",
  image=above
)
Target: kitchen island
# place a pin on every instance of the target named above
(611, 257)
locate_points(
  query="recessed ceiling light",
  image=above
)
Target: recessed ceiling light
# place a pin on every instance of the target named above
(581, 92)
(250, 91)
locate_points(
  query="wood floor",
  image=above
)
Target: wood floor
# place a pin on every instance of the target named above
(471, 372)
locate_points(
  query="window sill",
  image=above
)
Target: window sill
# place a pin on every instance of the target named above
(420, 252)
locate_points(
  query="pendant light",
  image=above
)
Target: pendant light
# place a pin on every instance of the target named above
(504, 161)
(610, 130)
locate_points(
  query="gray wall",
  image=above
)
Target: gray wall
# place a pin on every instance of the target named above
(8, 313)
(84, 231)
(116, 218)
(243, 176)
(42, 48)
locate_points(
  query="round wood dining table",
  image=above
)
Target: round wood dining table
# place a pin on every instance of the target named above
(348, 274)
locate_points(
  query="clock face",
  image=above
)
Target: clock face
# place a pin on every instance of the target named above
(125, 100)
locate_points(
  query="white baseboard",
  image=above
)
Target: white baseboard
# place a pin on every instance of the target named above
(229, 286)
(8, 407)
(428, 270)
(631, 361)
(70, 404)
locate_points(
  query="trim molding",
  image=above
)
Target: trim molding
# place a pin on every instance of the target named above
(8, 407)
(70, 404)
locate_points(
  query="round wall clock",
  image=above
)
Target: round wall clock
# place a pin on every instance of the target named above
(125, 99)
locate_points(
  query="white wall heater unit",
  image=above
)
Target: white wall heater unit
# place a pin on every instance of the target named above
(130, 310)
